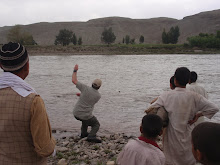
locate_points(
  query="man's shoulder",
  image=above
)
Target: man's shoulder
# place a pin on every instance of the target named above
(194, 86)
(142, 147)
(81, 85)
(166, 93)
(135, 143)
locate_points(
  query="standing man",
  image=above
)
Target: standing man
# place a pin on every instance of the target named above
(184, 108)
(84, 107)
(25, 132)
(193, 86)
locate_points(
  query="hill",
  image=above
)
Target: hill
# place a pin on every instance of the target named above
(45, 33)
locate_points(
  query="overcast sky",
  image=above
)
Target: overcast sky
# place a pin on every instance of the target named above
(13, 12)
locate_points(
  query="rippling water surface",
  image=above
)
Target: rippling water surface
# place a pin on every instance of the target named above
(130, 82)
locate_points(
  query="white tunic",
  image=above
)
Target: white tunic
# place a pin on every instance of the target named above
(182, 105)
(200, 90)
(138, 152)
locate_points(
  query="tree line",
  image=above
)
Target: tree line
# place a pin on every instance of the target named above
(22, 37)
(109, 37)
(172, 36)
(66, 37)
(204, 40)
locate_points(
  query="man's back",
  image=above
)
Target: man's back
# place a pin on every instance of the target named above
(137, 152)
(182, 105)
(88, 98)
(15, 134)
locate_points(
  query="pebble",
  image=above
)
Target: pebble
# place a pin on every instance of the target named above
(62, 162)
(81, 152)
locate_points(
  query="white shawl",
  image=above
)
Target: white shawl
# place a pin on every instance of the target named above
(8, 79)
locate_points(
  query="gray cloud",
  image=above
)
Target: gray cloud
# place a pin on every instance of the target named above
(31, 11)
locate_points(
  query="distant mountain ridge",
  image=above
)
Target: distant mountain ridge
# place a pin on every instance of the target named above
(45, 33)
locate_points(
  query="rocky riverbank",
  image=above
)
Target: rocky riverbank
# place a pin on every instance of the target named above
(75, 151)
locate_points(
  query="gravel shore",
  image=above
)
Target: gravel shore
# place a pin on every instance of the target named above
(73, 150)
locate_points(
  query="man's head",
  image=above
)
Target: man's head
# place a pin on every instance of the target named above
(96, 84)
(206, 143)
(13, 57)
(172, 84)
(181, 76)
(193, 77)
(151, 126)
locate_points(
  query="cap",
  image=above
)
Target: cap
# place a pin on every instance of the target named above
(97, 82)
(13, 56)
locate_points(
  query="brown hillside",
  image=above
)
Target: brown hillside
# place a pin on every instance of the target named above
(44, 33)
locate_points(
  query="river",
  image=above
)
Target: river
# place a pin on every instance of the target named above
(130, 83)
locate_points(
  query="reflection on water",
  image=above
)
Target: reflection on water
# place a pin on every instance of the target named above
(130, 82)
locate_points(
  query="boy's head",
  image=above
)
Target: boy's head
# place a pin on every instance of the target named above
(182, 76)
(172, 85)
(151, 126)
(206, 143)
(193, 77)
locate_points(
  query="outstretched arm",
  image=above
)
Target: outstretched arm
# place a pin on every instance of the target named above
(74, 76)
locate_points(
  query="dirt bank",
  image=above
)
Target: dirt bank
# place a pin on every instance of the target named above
(117, 50)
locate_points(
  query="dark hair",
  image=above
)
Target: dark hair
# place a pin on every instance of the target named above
(182, 75)
(172, 82)
(17, 71)
(193, 77)
(206, 139)
(152, 125)
(95, 87)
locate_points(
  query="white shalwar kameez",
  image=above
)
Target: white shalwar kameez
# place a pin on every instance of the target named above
(182, 105)
(200, 90)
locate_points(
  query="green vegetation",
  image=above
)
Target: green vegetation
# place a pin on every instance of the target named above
(100, 163)
(204, 40)
(141, 39)
(65, 37)
(87, 161)
(107, 151)
(74, 39)
(172, 36)
(60, 155)
(108, 36)
(127, 40)
(80, 41)
(96, 147)
(119, 49)
(16, 35)
(132, 41)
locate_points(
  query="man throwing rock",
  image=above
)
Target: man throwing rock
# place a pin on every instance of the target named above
(84, 107)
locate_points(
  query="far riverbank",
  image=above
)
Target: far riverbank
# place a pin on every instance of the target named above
(119, 49)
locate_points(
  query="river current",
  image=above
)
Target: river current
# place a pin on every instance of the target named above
(130, 83)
